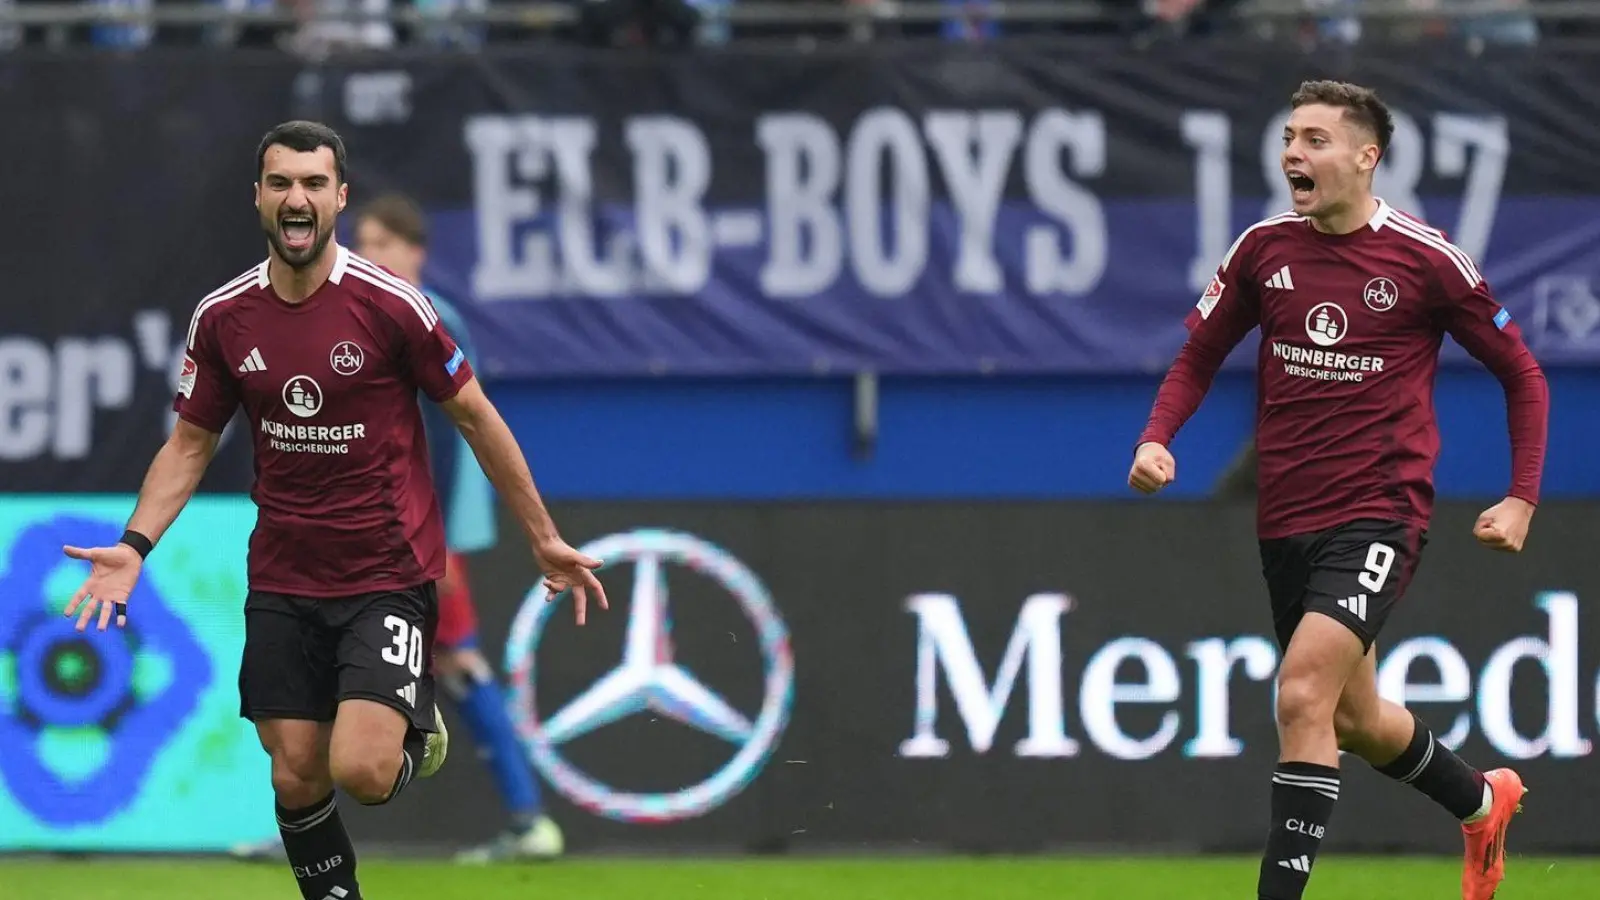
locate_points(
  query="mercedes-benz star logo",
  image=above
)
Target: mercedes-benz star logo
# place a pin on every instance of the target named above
(649, 678)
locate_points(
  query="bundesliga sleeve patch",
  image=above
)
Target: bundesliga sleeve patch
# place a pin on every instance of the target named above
(1501, 318)
(186, 376)
(1208, 300)
(455, 361)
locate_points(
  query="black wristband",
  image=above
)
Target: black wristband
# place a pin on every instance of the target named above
(138, 542)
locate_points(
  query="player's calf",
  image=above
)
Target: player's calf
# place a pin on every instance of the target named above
(1305, 786)
(1432, 768)
(314, 838)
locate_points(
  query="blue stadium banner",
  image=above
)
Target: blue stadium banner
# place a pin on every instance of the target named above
(1003, 209)
(126, 739)
(1020, 208)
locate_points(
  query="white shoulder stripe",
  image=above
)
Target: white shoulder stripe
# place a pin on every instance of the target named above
(1428, 237)
(221, 295)
(382, 280)
(1427, 230)
(1280, 219)
(241, 279)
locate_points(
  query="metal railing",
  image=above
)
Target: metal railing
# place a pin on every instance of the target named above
(541, 13)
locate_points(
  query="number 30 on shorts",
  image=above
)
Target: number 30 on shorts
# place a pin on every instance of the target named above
(1380, 559)
(407, 647)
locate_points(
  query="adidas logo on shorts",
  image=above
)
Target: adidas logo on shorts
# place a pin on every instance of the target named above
(408, 694)
(1356, 606)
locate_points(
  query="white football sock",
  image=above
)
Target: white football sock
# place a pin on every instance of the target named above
(1488, 804)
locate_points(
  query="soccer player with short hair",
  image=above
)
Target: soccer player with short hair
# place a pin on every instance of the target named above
(326, 353)
(392, 231)
(1353, 298)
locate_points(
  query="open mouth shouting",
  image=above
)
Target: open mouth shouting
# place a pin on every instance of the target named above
(298, 231)
(1301, 186)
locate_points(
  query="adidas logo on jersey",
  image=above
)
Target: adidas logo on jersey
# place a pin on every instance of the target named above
(408, 694)
(1301, 863)
(1281, 280)
(253, 362)
(1356, 606)
(337, 893)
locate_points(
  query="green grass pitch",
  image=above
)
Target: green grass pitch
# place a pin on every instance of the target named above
(1033, 878)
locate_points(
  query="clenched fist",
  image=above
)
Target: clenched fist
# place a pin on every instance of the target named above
(1153, 468)
(1504, 526)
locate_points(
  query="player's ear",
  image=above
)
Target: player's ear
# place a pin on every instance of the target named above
(344, 196)
(258, 195)
(1369, 158)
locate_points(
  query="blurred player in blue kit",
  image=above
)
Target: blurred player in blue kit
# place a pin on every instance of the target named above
(391, 231)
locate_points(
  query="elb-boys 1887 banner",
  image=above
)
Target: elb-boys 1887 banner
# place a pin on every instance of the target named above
(932, 210)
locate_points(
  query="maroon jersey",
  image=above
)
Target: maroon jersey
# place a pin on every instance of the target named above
(346, 502)
(1351, 327)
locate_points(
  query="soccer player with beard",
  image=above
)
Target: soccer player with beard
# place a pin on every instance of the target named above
(1353, 298)
(326, 352)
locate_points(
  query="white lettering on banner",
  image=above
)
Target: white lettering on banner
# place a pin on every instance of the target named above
(588, 270)
(672, 170)
(1558, 656)
(1066, 201)
(860, 198)
(1454, 684)
(942, 638)
(1101, 692)
(1214, 661)
(974, 154)
(49, 395)
(803, 168)
(882, 165)
(511, 155)
(378, 98)
(1400, 172)
(1207, 131)
(887, 139)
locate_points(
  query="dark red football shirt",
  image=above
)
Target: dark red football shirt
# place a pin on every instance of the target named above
(1351, 327)
(346, 502)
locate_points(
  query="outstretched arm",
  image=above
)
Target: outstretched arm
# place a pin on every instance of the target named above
(172, 478)
(496, 448)
(497, 451)
(168, 484)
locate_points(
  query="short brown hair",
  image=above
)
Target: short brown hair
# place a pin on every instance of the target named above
(1360, 104)
(399, 214)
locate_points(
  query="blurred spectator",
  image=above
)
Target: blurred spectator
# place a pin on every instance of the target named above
(440, 31)
(324, 27)
(969, 20)
(10, 35)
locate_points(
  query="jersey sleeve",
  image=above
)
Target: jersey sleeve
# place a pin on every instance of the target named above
(207, 393)
(427, 353)
(1467, 310)
(1226, 312)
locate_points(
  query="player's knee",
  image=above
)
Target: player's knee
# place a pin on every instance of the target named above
(366, 777)
(299, 777)
(1302, 702)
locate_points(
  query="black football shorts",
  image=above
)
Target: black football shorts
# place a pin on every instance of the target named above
(1355, 572)
(304, 655)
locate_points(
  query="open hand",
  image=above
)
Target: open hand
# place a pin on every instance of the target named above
(564, 569)
(1504, 526)
(113, 571)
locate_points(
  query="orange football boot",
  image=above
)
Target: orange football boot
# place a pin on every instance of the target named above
(1485, 864)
